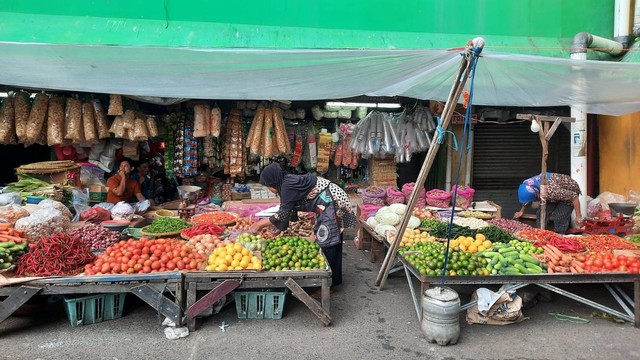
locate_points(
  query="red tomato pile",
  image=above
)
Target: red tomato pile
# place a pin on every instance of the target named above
(146, 256)
(596, 263)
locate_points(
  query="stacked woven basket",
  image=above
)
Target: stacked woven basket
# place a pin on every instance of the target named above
(61, 172)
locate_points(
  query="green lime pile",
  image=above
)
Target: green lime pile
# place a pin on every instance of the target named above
(292, 253)
(428, 259)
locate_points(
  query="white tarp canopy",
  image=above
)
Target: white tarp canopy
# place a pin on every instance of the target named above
(596, 87)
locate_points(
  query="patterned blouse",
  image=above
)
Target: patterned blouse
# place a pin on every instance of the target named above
(344, 210)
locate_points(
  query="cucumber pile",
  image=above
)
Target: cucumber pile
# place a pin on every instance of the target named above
(513, 258)
(10, 252)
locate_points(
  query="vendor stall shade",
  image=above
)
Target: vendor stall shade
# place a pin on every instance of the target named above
(502, 79)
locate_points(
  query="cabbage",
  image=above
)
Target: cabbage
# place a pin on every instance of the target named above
(399, 209)
(372, 222)
(381, 229)
(388, 218)
(414, 223)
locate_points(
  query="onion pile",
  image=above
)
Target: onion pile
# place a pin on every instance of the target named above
(510, 226)
(95, 236)
(205, 243)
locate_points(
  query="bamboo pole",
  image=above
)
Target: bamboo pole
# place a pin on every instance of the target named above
(456, 90)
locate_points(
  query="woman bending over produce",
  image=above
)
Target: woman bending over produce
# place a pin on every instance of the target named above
(311, 194)
(561, 195)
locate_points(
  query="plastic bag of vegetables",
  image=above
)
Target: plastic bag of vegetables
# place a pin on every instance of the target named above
(122, 211)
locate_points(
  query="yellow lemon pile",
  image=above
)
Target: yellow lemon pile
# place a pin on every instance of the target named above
(471, 245)
(415, 236)
(233, 257)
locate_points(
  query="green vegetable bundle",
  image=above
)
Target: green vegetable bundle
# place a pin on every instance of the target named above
(441, 229)
(166, 225)
(495, 234)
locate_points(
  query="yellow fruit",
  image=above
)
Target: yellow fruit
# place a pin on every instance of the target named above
(481, 248)
(223, 267)
(235, 263)
(237, 256)
(246, 252)
(228, 259)
(487, 244)
(231, 251)
(480, 237)
(238, 246)
(472, 248)
(463, 247)
(244, 262)
(478, 242)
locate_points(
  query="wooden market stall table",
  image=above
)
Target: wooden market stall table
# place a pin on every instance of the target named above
(151, 288)
(219, 284)
(630, 305)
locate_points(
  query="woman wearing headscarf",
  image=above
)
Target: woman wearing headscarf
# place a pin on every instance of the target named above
(562, 197)
(311, 194)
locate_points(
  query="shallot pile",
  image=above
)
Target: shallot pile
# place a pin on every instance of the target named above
(510, 226)
(95, 236)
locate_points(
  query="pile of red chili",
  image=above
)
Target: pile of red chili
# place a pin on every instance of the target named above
(606, 243)
(55, 255)
(541, 237)
(201, 229)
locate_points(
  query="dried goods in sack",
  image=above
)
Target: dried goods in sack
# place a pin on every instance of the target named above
(268, 134)
(256, 136)
(22, 108)
(74, 130)
(140, 133)
(42, 138)
(254, 124)
(152, 126)
(55, 121)
(216, 121)
(115, 105)
(37, 116)
(89, 123)
(7, 122)
(281, 132)
(200, 121)
(100, 116)
(117, 127)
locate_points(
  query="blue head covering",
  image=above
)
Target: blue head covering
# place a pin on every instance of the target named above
(526, 194)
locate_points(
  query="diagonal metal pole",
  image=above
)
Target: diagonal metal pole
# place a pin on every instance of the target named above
(452, 101)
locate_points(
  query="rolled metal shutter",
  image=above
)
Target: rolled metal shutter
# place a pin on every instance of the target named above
(505, 155)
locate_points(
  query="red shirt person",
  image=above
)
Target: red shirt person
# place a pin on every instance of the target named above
(122, 187)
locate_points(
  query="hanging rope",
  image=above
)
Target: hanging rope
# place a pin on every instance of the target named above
(466, 140)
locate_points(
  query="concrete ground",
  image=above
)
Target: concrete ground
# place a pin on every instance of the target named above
(367, 323)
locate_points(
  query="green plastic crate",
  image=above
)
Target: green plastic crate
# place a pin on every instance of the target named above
(94, 309)
(260, 304)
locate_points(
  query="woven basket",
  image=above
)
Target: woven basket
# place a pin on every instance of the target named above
(47, 167)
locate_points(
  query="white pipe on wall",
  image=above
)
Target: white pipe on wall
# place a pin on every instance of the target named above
(621, 21)
(636, 19)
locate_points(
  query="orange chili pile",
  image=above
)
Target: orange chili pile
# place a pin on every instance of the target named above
(606, 243)
(214, 218)
(55, 255)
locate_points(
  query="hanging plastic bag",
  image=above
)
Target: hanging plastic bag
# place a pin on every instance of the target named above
(115, 105)
(22, 108)
(7, 122)
(74, 130)
(37, 116)
(152, 126)
(117, 127)
(55, 121)
(100, 116)
(89, 123)
(80, 202)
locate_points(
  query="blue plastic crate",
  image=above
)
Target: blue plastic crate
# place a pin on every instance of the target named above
(260, 304)
(94, 309)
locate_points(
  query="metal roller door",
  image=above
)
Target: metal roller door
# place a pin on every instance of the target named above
(505, 155)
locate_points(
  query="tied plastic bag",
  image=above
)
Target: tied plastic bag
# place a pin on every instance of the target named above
(122, 211)
(501, 308)
(95, 214)
(52, 204)
(601, 203)
(80, 202)
(42, 222)
(10, 198)
(141, 207)
(12, 213)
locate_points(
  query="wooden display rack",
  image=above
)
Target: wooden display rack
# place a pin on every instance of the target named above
(220, 284)
(151, 288)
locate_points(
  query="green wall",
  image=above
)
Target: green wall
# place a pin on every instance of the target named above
(543, 27)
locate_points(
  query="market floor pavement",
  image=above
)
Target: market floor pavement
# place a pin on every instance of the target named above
(367, 323)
